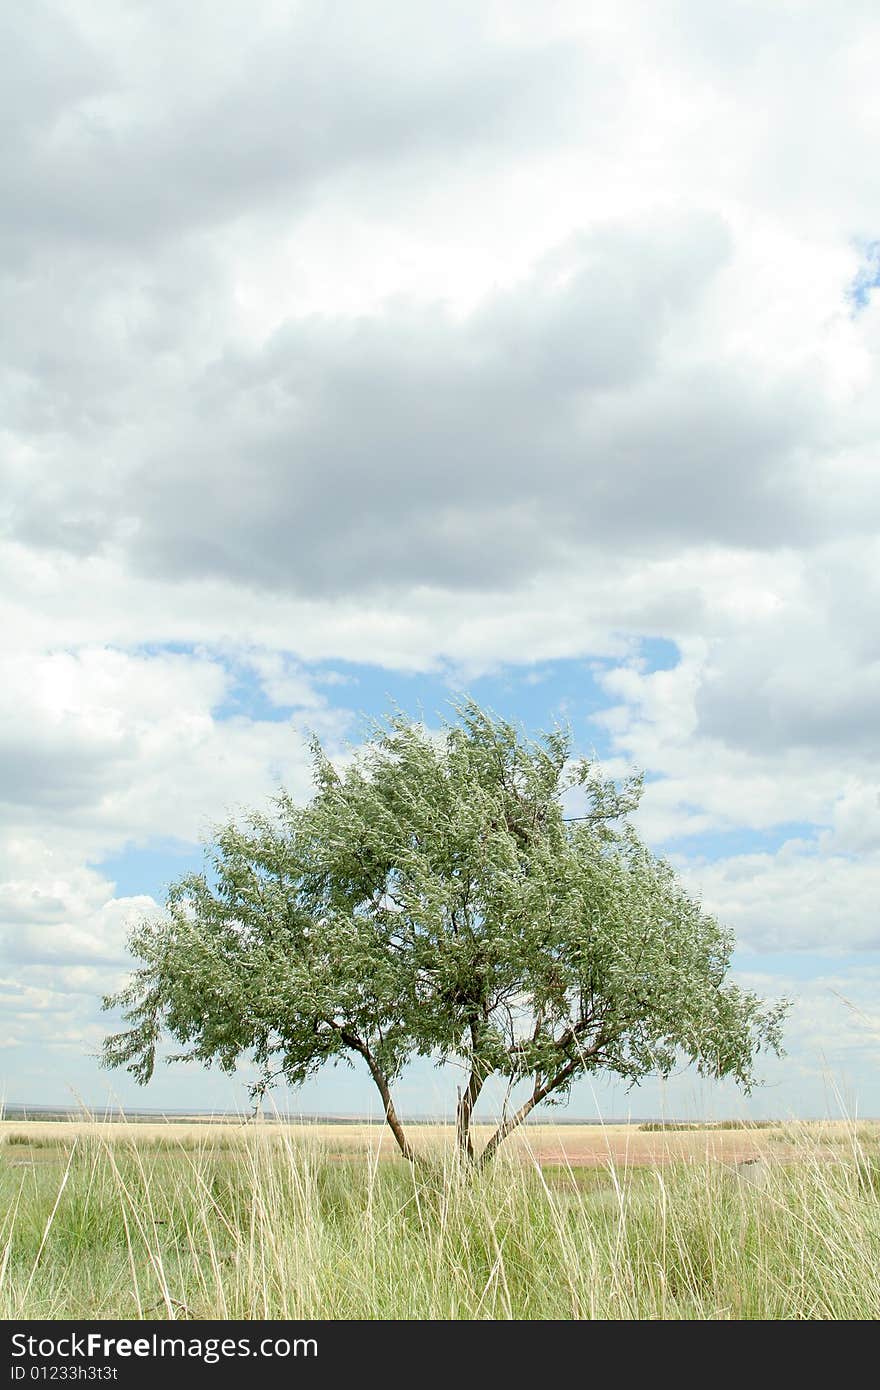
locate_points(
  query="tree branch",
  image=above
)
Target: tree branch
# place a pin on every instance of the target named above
(358, 1045)
(540, 1092)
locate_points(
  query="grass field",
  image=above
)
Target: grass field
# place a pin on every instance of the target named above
(217, 1220)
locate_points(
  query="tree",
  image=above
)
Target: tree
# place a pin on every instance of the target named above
(433, 900)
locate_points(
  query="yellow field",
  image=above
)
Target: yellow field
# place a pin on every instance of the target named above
(578, 1145)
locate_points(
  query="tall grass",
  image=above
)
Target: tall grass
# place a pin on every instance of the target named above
(274, 1227)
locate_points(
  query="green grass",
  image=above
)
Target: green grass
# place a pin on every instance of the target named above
(675, 1126)
(25, 1141)
(272, 1228)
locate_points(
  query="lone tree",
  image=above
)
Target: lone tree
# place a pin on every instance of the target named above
(432, 900)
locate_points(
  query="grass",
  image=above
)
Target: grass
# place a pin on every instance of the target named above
(675, 1126)
(263, 1226)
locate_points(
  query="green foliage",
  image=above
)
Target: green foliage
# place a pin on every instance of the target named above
(433, 900)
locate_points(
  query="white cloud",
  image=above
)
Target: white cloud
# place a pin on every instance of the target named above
(832, 1025)
(796, 899)
(437, 341)
(284, 683)
(100, 749)
(97, 935)
(108, 746)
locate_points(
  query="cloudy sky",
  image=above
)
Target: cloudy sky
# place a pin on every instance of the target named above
(365, 351)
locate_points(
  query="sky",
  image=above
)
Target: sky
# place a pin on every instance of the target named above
(366, 353)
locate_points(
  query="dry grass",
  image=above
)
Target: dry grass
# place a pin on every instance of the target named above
(257, 1222)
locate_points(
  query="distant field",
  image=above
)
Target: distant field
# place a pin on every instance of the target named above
(581, 1145)
(185, 1219)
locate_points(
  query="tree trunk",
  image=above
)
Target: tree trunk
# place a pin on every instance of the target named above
(538, 1094)
(353, 1041)
(463, 1117)
(468, 1100)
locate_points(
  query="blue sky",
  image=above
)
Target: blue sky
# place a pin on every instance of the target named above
(867, 277)
(350, 359)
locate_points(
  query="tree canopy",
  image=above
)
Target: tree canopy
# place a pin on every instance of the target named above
(433, 900)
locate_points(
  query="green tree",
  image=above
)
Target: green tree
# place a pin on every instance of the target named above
(433, 900)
